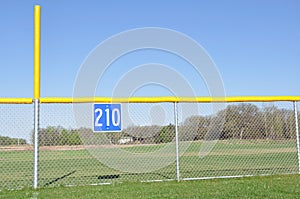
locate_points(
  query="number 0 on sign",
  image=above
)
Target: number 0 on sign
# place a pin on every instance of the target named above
(107, 117)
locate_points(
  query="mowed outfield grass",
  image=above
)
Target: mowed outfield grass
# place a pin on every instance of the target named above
(79, 167)
(278, 186)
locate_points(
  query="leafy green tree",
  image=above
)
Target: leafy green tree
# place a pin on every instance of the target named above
(64, 137)
(56, 136)
(166, 134)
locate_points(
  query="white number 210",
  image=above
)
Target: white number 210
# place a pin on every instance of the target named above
(115, 117)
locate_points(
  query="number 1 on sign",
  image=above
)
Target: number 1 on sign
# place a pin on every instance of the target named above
(107, 117)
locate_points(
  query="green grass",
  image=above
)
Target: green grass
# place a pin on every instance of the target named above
(79, 167)
(284, 186)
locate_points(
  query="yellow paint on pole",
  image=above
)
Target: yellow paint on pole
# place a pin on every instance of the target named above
(37, 49)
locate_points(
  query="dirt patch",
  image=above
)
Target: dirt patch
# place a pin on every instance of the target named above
(17, 148)
(61, 148)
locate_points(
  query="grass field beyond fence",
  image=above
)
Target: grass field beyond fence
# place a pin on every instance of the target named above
(63, 166)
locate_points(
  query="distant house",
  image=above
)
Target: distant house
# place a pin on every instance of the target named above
(125, 140)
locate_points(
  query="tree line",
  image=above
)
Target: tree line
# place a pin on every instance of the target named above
(241, 121)
(6, 141)
(246, 121)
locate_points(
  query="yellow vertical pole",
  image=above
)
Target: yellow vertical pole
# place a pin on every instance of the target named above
(37, 53)
(36, 90)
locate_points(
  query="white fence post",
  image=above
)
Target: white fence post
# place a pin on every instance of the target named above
(36, 143)
(297, 133)
(176, 141)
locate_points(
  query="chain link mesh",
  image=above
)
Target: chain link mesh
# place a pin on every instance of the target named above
(72, 154)
(255, 139)
(16, 151)
(242, 139)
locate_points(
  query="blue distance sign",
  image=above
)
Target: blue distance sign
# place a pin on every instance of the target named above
(107, 117)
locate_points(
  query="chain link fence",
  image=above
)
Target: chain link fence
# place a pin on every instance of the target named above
(255, 139)
(16, 150)
(158, 142)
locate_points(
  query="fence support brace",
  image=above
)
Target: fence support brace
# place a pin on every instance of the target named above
(297, 134)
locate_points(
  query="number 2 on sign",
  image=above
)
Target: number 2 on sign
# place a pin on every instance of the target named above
(97, 123)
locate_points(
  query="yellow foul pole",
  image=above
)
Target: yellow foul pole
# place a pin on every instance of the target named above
(37, 53)
(36, 89)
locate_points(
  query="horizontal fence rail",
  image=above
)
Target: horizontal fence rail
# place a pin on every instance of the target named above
(16, 100)
(48, 100)
(162, 138)
(169, 99)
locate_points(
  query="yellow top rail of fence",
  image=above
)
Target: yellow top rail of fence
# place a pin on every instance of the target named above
(15, 100)
(70, 100)
(169, 99)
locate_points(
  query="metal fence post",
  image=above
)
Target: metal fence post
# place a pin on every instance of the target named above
(36, 143)
(297, 133)
(176, 141)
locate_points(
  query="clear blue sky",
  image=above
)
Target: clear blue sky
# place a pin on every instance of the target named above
(255, 44)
